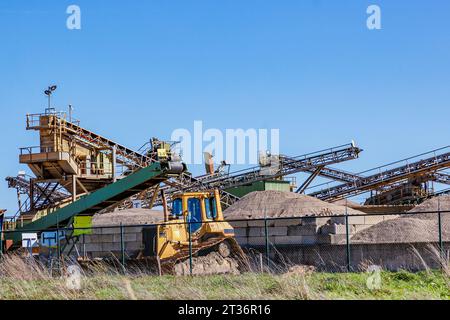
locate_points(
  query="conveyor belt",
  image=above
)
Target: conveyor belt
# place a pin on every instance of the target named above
(441, 177)
(427, 166)
(88, 205)
(222, 182)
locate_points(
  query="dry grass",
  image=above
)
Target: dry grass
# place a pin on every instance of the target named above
(440, 257)
(28, 279)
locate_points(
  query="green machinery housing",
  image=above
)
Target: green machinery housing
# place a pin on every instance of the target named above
(276, 185)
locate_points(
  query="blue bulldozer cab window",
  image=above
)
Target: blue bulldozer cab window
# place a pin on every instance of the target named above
(211, 209)
(195, 214)
(177, 208)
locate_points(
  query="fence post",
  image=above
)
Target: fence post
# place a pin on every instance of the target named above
(190, 248)
(441, 243)
(84, 246)
(58, 243)
(1, 241)
(266, 234)
(122, 247)
(347, 237)
(261, 262)
(158, 260)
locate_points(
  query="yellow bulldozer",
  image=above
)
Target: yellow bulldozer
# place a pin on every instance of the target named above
(194, 227)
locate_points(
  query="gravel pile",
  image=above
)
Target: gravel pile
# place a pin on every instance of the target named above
(412, 227)
(275, 204)
(212, 264)
(128, 217)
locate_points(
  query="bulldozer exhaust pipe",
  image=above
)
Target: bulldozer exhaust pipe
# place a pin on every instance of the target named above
(164, 203)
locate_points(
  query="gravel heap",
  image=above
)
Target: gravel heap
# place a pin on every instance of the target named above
(276, 204)
(212, 264)
(128, 217)
(419, 227)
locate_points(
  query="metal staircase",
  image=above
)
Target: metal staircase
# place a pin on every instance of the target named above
(45, 194)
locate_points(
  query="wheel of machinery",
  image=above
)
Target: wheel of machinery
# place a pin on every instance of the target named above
(224, 249)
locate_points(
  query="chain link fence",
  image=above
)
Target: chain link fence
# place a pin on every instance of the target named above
(332, 243)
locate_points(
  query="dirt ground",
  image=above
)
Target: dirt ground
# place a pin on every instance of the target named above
(211, 264)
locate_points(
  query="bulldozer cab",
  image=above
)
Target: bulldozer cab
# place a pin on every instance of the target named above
(196, 218)
(197, 209)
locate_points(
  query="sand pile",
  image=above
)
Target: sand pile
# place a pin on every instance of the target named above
(411, 228)
(128, 217)
(282, 204)
(441, 203)
(211, 264)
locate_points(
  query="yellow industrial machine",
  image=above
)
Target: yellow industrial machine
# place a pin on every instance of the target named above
(195, 226)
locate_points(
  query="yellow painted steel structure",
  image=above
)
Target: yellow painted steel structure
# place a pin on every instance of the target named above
(63, 154)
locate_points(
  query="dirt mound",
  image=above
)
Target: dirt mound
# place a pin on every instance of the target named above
(401, 230)
(419, 227)
(434, 204)
(211, 264)
(128, 217)
(276, 204)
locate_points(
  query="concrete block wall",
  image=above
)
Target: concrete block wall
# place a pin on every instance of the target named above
(106, 242)
(280, 232)
(390, 256)
(302, 231)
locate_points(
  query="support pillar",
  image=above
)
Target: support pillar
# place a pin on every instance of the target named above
(74, 188)
(114, 162)
(31, 194)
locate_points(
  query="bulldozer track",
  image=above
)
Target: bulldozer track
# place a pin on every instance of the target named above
(237, 251)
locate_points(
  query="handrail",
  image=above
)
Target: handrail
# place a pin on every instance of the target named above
(33, 119)
(42, 149)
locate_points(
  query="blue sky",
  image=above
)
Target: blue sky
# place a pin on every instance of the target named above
(310, 68)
